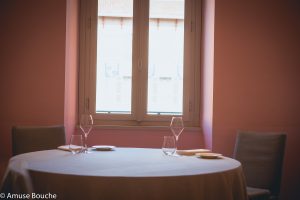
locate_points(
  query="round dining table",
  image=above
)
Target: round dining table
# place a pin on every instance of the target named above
(124, 174)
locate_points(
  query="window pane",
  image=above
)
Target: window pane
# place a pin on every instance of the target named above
(114, 56)
(166, 42)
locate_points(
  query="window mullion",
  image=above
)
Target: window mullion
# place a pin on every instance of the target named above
(141, 58)
(135, 60)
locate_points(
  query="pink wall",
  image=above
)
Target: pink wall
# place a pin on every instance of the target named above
(32, 64)
(256, 77)
(207, 70)
(45, 91)
(139, 137)
(71, 66)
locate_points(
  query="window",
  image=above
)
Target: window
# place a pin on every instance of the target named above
(140, 61)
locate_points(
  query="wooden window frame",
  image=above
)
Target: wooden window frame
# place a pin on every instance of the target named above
(139, 117)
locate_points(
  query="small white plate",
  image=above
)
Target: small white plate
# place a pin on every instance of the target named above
(104, 147)
(209, 155)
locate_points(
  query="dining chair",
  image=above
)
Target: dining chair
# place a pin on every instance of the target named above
(36, 138)
(261, 155)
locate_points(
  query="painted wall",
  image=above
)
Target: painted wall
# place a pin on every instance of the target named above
(71, 66)
(147, 138)
(207, 70)
(39, 59)
(256, 77)
(32, 65)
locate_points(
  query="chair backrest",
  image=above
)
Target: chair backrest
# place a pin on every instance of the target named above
(261, 155)
(28, 138)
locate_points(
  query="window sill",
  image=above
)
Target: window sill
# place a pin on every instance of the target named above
(159, 128)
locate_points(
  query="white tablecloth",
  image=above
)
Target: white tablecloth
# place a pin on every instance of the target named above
(125, 173)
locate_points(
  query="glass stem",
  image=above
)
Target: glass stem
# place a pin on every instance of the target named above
(176, 141)
(85, 143)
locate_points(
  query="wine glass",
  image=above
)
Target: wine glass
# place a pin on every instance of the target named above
(168, 146)
(86, 124)
(75, 145)
(176, 127)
